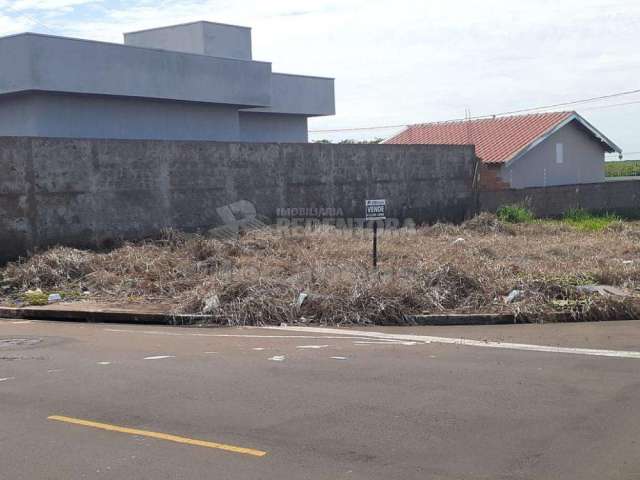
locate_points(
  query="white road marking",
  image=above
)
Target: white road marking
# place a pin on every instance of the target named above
(312, 347)
(278, 358)
(210, 353)
(258, 349)
(466, 342)
(6, 379)
(339, 358)
(104, 363)
(408, 344)
(21, 322)
(159, 357)
(174, 334)
(55, 370)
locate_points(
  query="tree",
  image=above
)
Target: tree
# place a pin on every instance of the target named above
(351, 141)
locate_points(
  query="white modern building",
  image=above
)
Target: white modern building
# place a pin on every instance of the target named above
(196, 81)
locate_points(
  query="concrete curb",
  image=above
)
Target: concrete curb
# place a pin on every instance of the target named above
(110, 315)
(462, 319)
(100, 316)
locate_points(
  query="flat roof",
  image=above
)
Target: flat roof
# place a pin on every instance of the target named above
(187, 24)
(303, 76)
(101, 42)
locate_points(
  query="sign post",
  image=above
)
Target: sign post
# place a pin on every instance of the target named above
(375, 210)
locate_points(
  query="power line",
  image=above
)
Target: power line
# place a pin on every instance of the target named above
(611, 106)
(512, 112)
(355, 129)
(628, 153)
(575, 102)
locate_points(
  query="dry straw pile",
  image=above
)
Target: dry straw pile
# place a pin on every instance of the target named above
(258, 278)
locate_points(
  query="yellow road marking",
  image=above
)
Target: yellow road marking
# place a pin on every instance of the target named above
(158, 435)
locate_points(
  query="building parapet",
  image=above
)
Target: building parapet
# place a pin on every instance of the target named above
(300, 95)
(58, 64)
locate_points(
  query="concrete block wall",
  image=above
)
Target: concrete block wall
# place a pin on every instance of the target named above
(620, 197)
(89, 193)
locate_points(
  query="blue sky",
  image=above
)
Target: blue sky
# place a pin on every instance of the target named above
(407, 61)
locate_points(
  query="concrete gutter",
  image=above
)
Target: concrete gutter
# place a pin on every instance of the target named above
(454, 319)
(157, 315)
(462, 319)
(67, 313)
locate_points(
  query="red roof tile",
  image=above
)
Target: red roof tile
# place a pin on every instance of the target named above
(497, 140)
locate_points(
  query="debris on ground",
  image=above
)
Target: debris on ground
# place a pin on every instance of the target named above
(514, 296)
(54, 298)
(211, 304)
(301, 299)
(605, 290)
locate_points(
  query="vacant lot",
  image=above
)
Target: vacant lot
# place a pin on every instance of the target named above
(259, 278)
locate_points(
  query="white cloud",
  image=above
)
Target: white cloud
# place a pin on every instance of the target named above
(54, 5)
(11, 25)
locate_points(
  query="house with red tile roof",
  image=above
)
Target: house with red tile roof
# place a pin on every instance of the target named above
(537, 150)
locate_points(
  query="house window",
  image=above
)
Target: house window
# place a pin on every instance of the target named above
(559, 152)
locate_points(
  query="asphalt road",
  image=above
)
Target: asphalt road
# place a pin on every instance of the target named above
(557, 402)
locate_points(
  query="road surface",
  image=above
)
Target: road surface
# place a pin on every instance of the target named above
(511, 402)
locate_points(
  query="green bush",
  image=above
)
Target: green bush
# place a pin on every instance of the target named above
(37, 298)
(514, 214)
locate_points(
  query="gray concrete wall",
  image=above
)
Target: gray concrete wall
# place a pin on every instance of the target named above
(583, 161)
(188, 38)
(93, 192)
(620, 197)
(301, 95)
(98, 116)
(205, 38)
(57, 64)
(273, 127)
(17, 116)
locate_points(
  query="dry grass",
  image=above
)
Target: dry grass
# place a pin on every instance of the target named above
(257, 278)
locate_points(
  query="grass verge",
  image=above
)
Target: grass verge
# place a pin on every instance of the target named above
(589, 222)
(515, 214)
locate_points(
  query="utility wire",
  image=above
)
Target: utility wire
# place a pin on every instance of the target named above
(628, 153)
(575, 102)
(357, 129)
(611, 106)
(512, 112)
